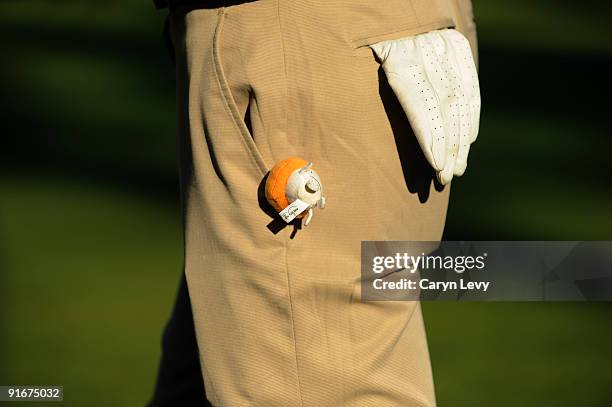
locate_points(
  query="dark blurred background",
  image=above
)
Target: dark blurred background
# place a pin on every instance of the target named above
(90, 238)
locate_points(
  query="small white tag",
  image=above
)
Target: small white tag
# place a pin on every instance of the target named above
(294, 209)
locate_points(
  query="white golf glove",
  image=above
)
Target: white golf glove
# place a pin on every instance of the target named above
(434, 78)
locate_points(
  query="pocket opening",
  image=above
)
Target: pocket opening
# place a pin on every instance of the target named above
(247, 118)
(241, 121)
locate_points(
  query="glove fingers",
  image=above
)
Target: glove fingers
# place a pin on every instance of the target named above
(469, 78)
(417, 100)
(461, 164)
(446, 175)
(465, 133)
(440, 76)
(458, 46)
(434, 78)
(451, 102)
(475, 116)
(464, 138)
(451, 159)
(410, 83)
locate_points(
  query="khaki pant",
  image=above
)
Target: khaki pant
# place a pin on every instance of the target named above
(277, 314)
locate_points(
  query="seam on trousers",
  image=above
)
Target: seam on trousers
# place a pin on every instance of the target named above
(297, 373)
(229, 103)
(284, 127)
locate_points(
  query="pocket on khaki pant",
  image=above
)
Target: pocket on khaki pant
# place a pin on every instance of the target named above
(237, 114)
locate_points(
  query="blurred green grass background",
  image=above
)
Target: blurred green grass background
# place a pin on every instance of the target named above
(90, 238)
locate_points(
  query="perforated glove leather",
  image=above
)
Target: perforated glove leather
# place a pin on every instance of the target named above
(435, 80)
